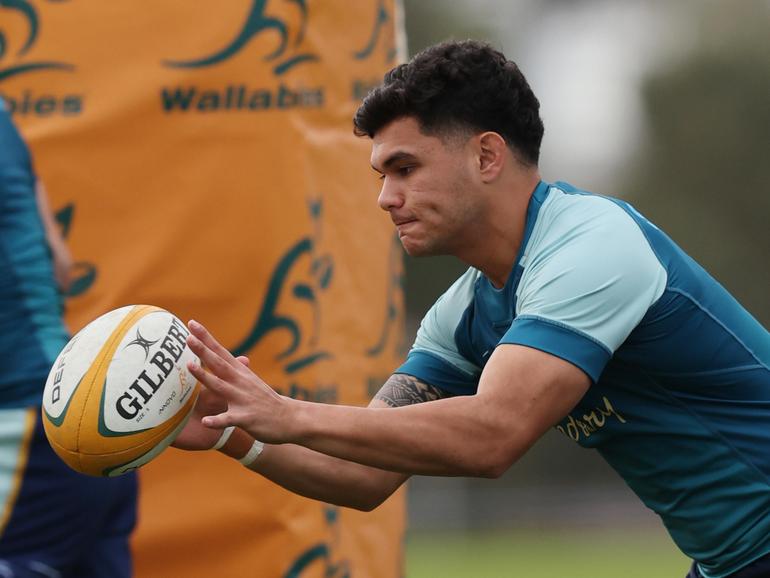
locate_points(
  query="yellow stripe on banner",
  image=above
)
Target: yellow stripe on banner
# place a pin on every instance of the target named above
(21, 466)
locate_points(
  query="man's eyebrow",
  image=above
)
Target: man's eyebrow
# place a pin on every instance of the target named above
(394, 158)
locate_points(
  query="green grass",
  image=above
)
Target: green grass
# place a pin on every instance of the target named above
(545, 554)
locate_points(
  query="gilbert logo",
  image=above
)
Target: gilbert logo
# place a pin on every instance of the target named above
(287, 32)
(145, 344)
(18, 56)
(131, 403)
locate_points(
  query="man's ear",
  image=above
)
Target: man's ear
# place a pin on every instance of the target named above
(493, 153)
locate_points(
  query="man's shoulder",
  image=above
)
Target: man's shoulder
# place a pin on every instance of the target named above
(571, 203)
(570, 215)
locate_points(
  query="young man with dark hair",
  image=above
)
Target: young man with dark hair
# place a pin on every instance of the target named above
(576, 313)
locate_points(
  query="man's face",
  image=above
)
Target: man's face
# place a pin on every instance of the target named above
(428, 187)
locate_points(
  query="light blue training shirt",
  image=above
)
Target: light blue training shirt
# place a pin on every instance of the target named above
(680, 398)
(31, 328)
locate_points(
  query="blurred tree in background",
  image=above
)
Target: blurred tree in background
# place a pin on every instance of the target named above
(704, 175)
(428, 22)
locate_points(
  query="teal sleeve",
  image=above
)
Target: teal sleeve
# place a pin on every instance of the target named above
(590, 276)
(434, 370)
(579, 349)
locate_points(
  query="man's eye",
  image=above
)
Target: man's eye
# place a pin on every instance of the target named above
(403, 171)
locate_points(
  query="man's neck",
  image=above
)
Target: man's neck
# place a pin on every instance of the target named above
(499, 238)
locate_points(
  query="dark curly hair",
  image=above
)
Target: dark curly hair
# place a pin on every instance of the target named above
(458, 87)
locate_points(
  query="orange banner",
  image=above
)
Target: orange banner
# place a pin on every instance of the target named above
(202, 159)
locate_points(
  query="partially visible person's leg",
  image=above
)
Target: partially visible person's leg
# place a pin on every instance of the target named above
(109, 553)
(58, 523)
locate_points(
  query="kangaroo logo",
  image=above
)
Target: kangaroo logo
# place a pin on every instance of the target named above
(394, 306)
(285, 57)
(271, 318)
(322, 554)
(28, 12)
(84, 273)
(382, 18)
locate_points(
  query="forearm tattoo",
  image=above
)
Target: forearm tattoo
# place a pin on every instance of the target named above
(402, 389)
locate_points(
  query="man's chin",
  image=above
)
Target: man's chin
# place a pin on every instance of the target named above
(418, 250)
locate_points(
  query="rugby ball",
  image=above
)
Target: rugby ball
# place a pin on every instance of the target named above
(120, 391)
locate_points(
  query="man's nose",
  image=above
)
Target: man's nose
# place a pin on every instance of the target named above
(391, 197)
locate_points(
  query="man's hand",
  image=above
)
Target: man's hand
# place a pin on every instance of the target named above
(250, 403)
(195, 436)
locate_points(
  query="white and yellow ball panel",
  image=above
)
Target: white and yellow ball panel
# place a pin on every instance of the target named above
(120, 391)
(75, 359)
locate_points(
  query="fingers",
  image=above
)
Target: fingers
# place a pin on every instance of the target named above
(225, 367)
(221, 373)
(210, 380)
(219, 421)
(216, 388)
(209, 402)
(202, 334)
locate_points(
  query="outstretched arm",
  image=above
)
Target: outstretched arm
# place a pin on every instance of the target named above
(522, 393)
(307, 472)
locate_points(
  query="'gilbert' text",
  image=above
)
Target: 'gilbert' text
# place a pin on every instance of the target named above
(140, 392)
